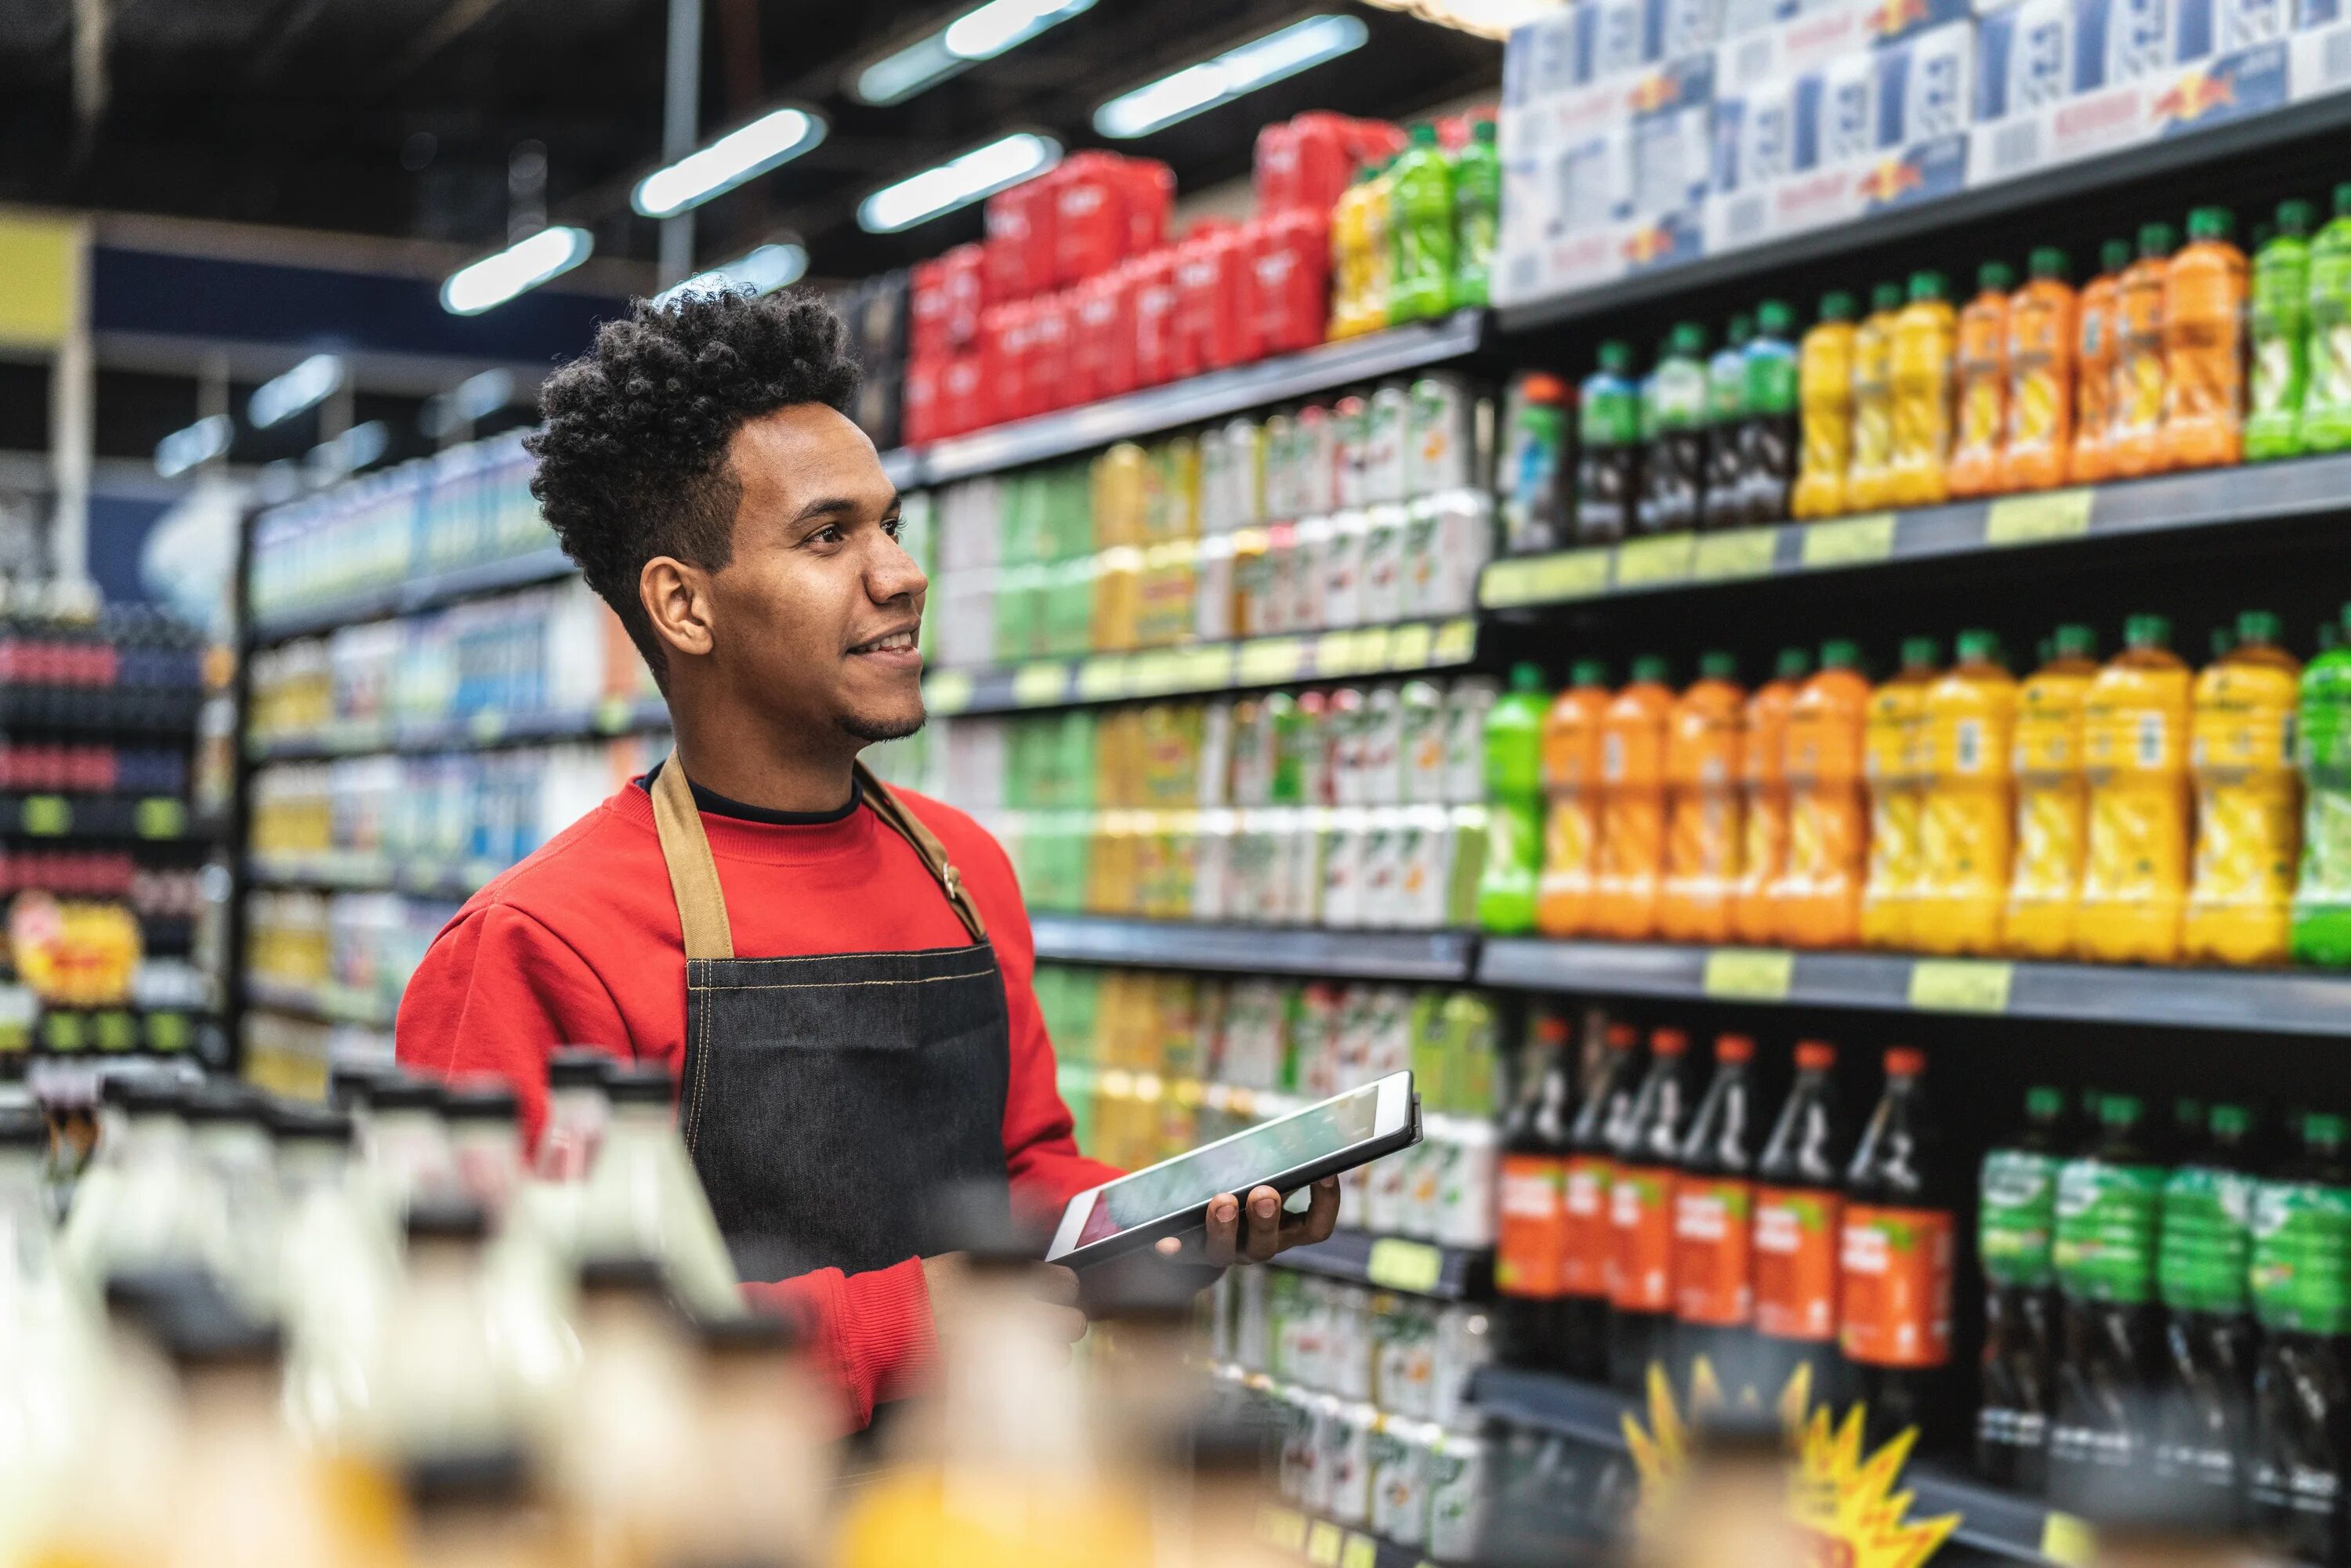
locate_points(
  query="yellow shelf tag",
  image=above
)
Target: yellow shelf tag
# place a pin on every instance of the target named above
(1741, 552)
(1322, 1544)
(1270, 661)
(1960, 985)
(1150, 675)
(1456, 642)
(613, 713)
(1039, 685)
(2067, 1540)
(158, 817)
(1334, 654)
(1208, 668)
(2030, 520)
(1360, 1552)
(1284, 1528)
(487, 725)
(1396, 1264)
(1750, 974)
(1371, 650)
(1849, 542)
(1643, 563)
(1544, 578)
(47, 816)
(1408, 646)
(947, 693)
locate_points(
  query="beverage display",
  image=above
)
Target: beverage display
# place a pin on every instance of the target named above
(1769, 435)
(1763, 797)
(1825, 389)
(2134, 444)
(1507, 887)
(1645, 1151)
(1476, 214)
(1629, 865)
(2279, 323)
(1574, 785)
(2322, 901)
(1530, 1213)
(1714, 1200)
(1724, 503)
(1816, 900)
(1534, 468)
(1897, 1253)
(2326, 423)
(1421, 279)
(1965, 764)
(1893, 737)
(1704, 833)
(2109, 1205)
(2203, 1256)
(2248, 801)
(2301, 1287)
(2015, 1244)
(2204, 346)
(2053, 798)
(1588, 1253)
(1869, 478)
(2100, 355)
(1608, 481)
(2135, 725)
(1673, 435)
(1798, 1229)
(1919, 363)
(2043, 344)
(1982, 366)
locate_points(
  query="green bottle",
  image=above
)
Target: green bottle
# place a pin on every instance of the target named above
(1725, 410)
(1420, 224)
(1506, 890)
(2326, 404)
(1768, 441)
(2321, 894)
(1476, 214)
(2281, 326)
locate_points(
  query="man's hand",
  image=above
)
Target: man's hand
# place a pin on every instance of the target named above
(1254, 1236)
(1054, 1290)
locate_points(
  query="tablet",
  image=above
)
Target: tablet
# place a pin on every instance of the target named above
(1285, 1154)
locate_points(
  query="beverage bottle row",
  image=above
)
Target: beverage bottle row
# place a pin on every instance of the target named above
(1648, 1219)
(1414, 237)
(2300, 319)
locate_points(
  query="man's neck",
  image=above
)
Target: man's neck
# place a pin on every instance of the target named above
(743, 757)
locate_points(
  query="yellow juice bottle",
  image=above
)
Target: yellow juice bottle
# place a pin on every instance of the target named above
(1824, 399)
(2053, 799)
(2134, 721)
(1869, 478)
(1925, 341)
(1891, 752)
(1967, 814)
(2248, 801)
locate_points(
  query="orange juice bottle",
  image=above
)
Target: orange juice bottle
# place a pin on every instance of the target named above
(1816, 900)
(2204, 346)
(2041, 344)
(2134, 721)
(2053, 799)
(2135, 429)
(1629, 871)
(2248, 801)
(1571, 778)
(1967, 811)
(1824, 397)
(1763, 783)
(2093, 382)
(1925, 338)
(1869, 478)
(1897, 711)
(1983, 383)
(1703, 841)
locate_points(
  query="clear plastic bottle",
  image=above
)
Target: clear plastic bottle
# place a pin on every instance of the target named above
(1897, 714)
(2280, 324)
(1925, 343)
(2204, 346)
(1967, 814)
(1421, 233)
(2322, 898)
(1704, 834)
(2094, 386)
(1816, 901)
(2135, 441)
(2042, 344)
(1763, 797)
(1507, 888)
(1824, 380)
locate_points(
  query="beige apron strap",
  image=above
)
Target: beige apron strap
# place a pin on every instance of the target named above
(892, 811)
(693, 875)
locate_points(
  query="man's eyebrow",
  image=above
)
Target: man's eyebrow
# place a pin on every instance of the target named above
(828, 505)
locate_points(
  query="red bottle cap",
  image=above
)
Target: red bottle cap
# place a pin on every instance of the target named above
(1816, 1054)
(1669, 1043)
(1551, 1027)
(1905, 1061)
(1620, 1037)
(1734, 1047)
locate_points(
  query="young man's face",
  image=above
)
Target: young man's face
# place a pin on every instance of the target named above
(817, 614)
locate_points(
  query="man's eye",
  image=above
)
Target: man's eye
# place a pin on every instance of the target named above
(828, 535)
(892, 527)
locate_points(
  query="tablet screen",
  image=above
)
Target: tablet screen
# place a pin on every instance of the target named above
(1232, 1164)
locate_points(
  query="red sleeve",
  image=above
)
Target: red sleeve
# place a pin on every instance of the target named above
(872, 1332)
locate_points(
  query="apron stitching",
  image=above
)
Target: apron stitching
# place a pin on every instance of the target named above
(824, 957)
(831, 985)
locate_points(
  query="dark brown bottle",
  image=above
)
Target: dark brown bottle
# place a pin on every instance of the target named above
(1714, 1203)
(1641, 1215)
(1587, 1260)
(1897, 1254)
(1799, 1211)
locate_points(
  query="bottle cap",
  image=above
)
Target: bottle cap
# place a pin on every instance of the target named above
(1792, 664)
(748, 1333)
(403, 1093)
(1921, 653)
(2295, 218)
(2321, 1127)
(1905, 1061)
(1815, 1055)
(1995, 277)
(1615, 356)
(2043, 1102)
(639, 1084)
(447, 1218)
(1653, 667)
(1836, 306)
(1927, 286)
(1540, 386)
(2211, 222)
(1588, 673)
(1719, 666)
(2155, 240)
(2114, 256)
(1734, 1047)
(1839, 654)
(2120, 1111)
(2074, 640)
(495, 1477)
(1551, 1027)
(1884, 297)
(2342, 200)
(1620, 1036)
(1742, 329)
(1669, 1043)
(2229, 1121)
(1424, 134)
(479, 1100)
(1688, 337)
(2147, 631)
(1527, 677)
(1977, 646)
(2047, 261)
(294, 1122)
(2257, 627)
(623, 1274)
(577, 1067)
(1483, 130)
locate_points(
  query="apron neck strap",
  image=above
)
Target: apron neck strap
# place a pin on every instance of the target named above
(694, 875)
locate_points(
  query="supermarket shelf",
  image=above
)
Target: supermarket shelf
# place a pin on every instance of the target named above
(1441, 957)
(155, 819)
(1324, 1544)
(2206, 147)
(1191, 401)
(329, 1004)
(344, 871)
(472, 732)
(2220, 497)
(2276, 1001)
(1405, 649)
(1396, 1263)
(422, 592)
(2001, 1523)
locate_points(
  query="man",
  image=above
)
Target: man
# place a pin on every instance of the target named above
(839, 974)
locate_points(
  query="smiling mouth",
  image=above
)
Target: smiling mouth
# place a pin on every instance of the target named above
(893, 642)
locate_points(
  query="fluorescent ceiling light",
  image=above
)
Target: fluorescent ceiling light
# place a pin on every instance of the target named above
(958, 183)
(194, 446)
(977, 34)
(1278, 55)
(349, 453)
(763, 271)
(524, 264)
(307, 385)
(897, 77)
(737, 156)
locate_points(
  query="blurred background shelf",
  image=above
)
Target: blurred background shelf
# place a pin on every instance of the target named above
(1438, 957)
(472, 732)
(421, 592)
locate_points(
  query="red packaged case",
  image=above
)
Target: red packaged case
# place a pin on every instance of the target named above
(1020, 240)
(1215, 327)
(926, 310)
(918, 402)
(1155, 354)
(1003, 353)
(1088, 216)
(964, 275)
(1102, 336)
(1325, 160)
(963, 401)
(1150, 197)
(1045, 371)
(1290, 273)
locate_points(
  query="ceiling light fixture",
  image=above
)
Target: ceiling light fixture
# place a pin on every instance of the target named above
(958, 183)
(522, 267)
(194, 446)
(1485, 18)
(307, 385)
(1285, 52)
(739, 155)
(763, 271)
(977, 35)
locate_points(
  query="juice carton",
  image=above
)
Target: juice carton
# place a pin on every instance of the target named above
(1924, 341)
(1816, 900)
(2093, 408)
(1571, 784)
(1824, 383)
(1763, 806)
(1969, 812)
(1629, 871)
(1513, 743)
(2325, 424)
(2034, 452)
(2135, 723)
(1869, 481)
(2204, 346)
(2248, 801)
(2280, 324)
(1897, 798)
(1983, 372)
(2053, 799)
(1703, 790)
(2322, 898)
(2135, 442)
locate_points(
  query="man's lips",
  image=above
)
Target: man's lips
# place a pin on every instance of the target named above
(900, 641)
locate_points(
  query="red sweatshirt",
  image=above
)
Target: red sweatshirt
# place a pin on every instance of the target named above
(579, 943)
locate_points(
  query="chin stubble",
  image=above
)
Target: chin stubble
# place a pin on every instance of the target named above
(875, 734)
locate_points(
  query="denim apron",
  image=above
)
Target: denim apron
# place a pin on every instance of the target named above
(829, 1102)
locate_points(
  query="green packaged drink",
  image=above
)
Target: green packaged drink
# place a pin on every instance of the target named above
(1420, 224)
(2108, 1202)
(2203, 1252)
(1768, 438)
(2280, 330)
(1476, 214)
(2321, 894)
(1725, 410)
(1506, 889)
(1673, 427)
(1608, 448)
(2016, 1215)
(2302, 1295)
(2326, 423)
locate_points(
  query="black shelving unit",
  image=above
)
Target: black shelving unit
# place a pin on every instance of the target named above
(472, 732)
(1396, 1263)
(345, 872)
(547, 564)
(1439, 957)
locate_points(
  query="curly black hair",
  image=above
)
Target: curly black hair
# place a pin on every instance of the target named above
(632, 455)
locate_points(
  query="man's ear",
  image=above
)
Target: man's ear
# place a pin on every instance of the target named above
(677, 600)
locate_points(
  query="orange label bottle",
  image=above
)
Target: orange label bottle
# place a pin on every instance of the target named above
(1895, 1300)
(1796, 1263)
(2042, 334)
(2135, 437)
(1571, 778)
(2052, 800)
(1629, 871)
(1589, 1240)
(1967, 811)
(1824, 401)
(1703, 837)
(1816, 900)
(2134, 721)
(1530, 1225)
(2248, 801)
(1763, 782)
(1892, 755)
(1641, 1213)
(1869, 478)
(2093, 383)
(2204, 346)
(1983, 383)
(1925, 341)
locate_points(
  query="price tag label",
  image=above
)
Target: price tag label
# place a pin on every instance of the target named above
(63, 1032)
(1544, 578)
(2034, 519)
(47, 816)
(1749, 974)
(1208, 668)
(612, 715)
(486, 726)
(1960, 985)
(1323, 1543)
(947, 693)
(1270, 661)
(1039, 685)
(114, 1030)
(1334, 653)
(1283, 1528)
(167, 1033)
(1371, 650)
(1396, 1264)
(1741, 552)
(1849, 542)
(1151, 675)
(2067, 1540)
(1410, 646)
(158, 817)
(1457, 642)
(1646, 563)
(1360, 1552)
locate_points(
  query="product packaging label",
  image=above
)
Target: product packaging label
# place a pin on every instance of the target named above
(1641, 1211)
(1532, 1234)
(1714, 1279)
(2015, 1218)
(1590, 1239)
(2301, 1257)
(1796, 1263)
(1896, 1291)
(2205, 1245)
(2106, 1217)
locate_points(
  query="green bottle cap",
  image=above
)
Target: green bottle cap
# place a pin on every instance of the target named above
(2048, 261)
(2043, 1102)
(2147, 631)
(2345, 621)
(1840, 654)
(2155, 241)
(1653, 668)
(2321, 1129)
(1424, 134)
(1742, 329)
(1921, 653)
(2114, 256)
(2262, 235)
(1995, 277)
(1615, 356)
(1793, 665)
(2120, 1111)
(2187, 1110)
(1885, 297)
(1482, 130)
(1528, 677)
(2211, 222)
(2297, 218)
(1836, 306)
(2342, 200)
(2257, 629)
(2076, 642)
(1588, 673)
(1927, 286)
(2329, 637)
(1774, 320)
(2228, 1121)
(1719, 666)
(2223, 642)
(1688, 337)
(1978, 647)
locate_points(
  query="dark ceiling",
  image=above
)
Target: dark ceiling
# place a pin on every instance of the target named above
(399, 117)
